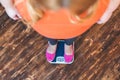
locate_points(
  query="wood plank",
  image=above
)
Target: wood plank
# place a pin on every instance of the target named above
(97, 53)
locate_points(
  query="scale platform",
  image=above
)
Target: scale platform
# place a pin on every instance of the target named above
(59, 58)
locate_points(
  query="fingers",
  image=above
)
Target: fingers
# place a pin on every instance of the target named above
(16, 16)
(13, 13)
(10, 9)
(106, 16)
(108, 13)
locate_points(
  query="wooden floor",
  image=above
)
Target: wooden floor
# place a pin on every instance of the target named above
(97, 53)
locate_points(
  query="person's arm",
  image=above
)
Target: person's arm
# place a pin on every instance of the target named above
(10, 9)
(108, 13)
(6, 3)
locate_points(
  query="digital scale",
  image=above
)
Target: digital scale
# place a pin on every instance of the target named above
(59, 57)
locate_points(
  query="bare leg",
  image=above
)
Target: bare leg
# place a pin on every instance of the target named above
(69, 46)
(52, 46)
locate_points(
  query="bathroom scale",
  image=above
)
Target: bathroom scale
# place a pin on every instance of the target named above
(59, 58)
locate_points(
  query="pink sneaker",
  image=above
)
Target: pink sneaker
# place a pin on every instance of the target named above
(68, 58)
(50, 57)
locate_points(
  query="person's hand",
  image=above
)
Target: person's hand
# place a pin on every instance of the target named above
(10, 9)
(12, 13)
(108, 13)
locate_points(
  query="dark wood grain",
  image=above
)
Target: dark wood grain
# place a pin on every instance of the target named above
(22, 53)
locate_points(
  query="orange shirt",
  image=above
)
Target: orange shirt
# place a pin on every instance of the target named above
(58, 25)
